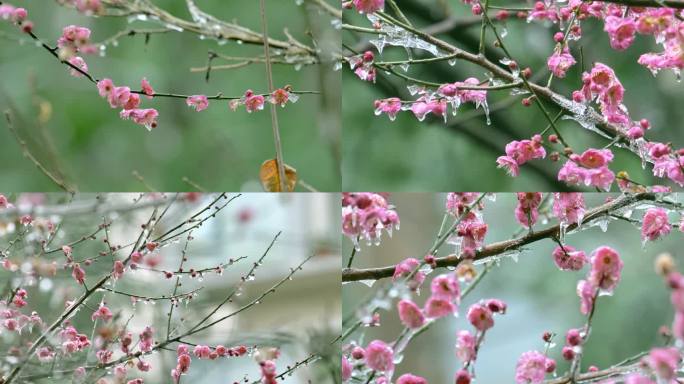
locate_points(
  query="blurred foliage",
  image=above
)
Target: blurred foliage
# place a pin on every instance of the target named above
(540, 297)
(407, 155)
(218, 149)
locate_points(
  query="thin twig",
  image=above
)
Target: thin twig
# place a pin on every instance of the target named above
(280, 163)
(27, 153)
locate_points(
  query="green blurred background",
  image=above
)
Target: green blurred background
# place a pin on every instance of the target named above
(218, 149)
(539, 296)
(407, 155)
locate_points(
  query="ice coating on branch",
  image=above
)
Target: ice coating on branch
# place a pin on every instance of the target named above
(399, 37)
(436, 102)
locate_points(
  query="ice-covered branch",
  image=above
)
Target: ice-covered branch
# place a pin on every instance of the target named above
(494, 249)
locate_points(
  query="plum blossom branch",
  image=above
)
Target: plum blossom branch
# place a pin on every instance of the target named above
(203, 24)
(79, 208)
(94, 80)
(14, 373)
(351, 274)
(613, 121)
(154, 298)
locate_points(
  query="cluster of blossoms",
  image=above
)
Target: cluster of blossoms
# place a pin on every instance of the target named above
(202, 352)
(520, 152)
(560, 61)
(13, 320)
(149, 257)
(88, 7)
(378, 358)
(123, 97)
(75, 40)
(443, 301)
(606, 268)
(471, 230)
(600, 84)
(662, 362)
(481, 316)
(72, 341)
(251, 101)
(567, 257)
(254, 102)
(365, 215)
(408, 269)
(603, 276)
(119, 350)
(532, 368)
(667, 162)
(590, 169)
(362, 65)
(436, 102)
(622, 23)
(569, 207)
(16, 15)
(102, 312)
(266, 358)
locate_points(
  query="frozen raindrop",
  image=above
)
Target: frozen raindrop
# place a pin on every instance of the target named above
(173, 27)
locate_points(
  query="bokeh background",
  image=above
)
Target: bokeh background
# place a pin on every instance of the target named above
(539, 296)
(407, 155)
(301, 317)
(70, 128)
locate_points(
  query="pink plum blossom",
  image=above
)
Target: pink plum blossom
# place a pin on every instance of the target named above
(410, 314)
(379, 356)
(199, 102)
(568, 258)
(655, 224)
